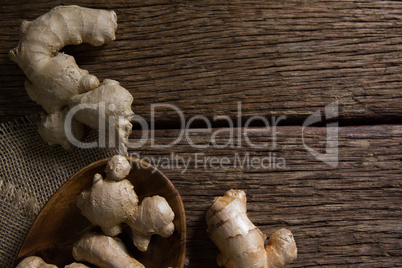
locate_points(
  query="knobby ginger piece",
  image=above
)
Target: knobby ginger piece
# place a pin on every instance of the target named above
(112, 201)
(38, 262)
(34, 262)
(76, 265)
(240, 242)
(112, 103)
(55, 81)
(153, 216)
(104, 251)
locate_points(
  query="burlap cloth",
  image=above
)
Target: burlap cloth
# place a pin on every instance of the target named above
(31, 171)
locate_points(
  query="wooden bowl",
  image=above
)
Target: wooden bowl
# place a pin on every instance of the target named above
(60, 223)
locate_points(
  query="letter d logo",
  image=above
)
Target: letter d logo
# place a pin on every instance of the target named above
(330, 156)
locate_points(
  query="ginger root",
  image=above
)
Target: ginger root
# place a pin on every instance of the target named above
(153, 216)
(57, 83)
(76, 265)
(112, 201)
(240, 243)
(34, 262)
(104, 251)
(38, 262)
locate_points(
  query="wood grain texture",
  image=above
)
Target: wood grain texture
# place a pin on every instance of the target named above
(349, 215)
(278, 58)
(286, 57)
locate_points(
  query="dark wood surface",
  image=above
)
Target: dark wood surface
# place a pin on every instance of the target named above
(276, 58)
(348, 215)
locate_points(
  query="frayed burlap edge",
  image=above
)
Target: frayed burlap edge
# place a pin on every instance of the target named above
(31, 171)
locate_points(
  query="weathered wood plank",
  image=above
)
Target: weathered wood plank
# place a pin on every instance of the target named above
(348, 215)
(286, 57)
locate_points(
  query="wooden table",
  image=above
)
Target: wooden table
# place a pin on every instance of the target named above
(278, 60)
